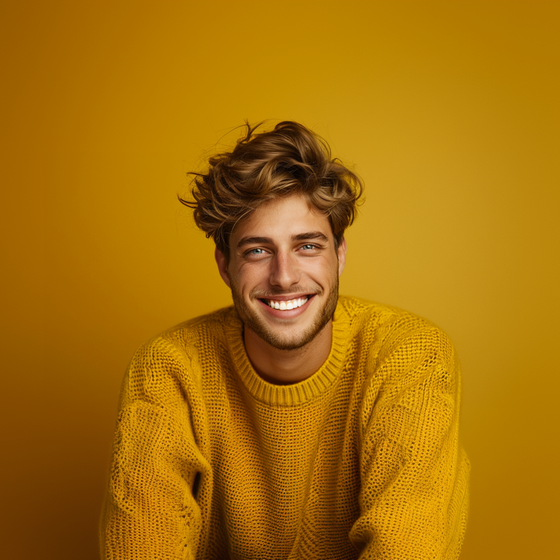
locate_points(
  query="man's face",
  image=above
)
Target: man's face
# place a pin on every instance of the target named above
(283, 272)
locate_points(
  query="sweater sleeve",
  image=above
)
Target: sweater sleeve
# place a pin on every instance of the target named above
(414, 495)
(151, 510)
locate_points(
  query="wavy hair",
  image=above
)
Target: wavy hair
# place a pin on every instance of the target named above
(290, 159)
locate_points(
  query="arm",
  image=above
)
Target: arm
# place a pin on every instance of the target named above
(150, 510)
(414, 495)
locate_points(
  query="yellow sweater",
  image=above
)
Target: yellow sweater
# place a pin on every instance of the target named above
(361, 460)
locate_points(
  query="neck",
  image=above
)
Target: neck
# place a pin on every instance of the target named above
(284, 367)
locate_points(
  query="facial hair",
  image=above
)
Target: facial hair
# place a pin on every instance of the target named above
(251, 320)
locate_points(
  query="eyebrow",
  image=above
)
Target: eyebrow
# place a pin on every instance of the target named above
(299, 237)
(253, 240)
(310, 235)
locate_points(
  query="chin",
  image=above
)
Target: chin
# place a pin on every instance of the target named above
(288, 342)
(282, 338)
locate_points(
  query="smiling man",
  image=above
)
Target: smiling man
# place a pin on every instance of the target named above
(295, 424)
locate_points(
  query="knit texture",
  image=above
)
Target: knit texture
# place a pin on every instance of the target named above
(361, 460)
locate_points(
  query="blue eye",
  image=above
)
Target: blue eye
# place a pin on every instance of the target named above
(308, 246)
(256, 252)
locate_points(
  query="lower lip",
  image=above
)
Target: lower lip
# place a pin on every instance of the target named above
(288, 313)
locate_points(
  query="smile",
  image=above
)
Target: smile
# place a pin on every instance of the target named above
(287, 305)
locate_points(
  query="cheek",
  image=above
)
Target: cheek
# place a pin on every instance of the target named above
(327, 269)
(245, 279)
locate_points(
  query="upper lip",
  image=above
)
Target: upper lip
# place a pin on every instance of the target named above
(286, 298)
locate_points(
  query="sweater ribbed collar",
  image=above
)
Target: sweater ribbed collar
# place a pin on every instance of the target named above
(296, 393)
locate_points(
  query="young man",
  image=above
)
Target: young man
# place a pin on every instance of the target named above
(295, 424)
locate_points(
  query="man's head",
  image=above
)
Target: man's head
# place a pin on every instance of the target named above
(277, 207)
(283, 271)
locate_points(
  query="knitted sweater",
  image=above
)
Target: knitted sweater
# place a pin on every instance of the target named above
(360, 460)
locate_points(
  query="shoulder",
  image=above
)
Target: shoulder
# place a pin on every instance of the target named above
(386, 320)
(182, 340)
(396, 340)
(165, 366)
(410, 361)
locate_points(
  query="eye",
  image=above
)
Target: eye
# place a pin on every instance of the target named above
(309, 247)
(256, 252)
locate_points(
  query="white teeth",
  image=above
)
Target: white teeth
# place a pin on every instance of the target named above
(286, 305)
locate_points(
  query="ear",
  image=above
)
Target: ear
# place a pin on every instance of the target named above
(341, 252)
(221, 261)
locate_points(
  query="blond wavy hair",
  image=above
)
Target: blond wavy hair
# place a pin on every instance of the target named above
(290, 159)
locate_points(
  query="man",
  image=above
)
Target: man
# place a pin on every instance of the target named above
(295, 424)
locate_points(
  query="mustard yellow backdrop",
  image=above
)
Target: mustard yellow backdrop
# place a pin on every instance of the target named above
(448, 110)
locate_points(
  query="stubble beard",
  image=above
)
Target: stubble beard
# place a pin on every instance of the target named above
(257, 325)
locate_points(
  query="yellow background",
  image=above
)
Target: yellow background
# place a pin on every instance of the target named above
(448, 109)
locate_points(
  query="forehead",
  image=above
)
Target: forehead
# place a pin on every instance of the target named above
(282, 218)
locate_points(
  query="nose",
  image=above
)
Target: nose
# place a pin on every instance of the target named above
(284, 270)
